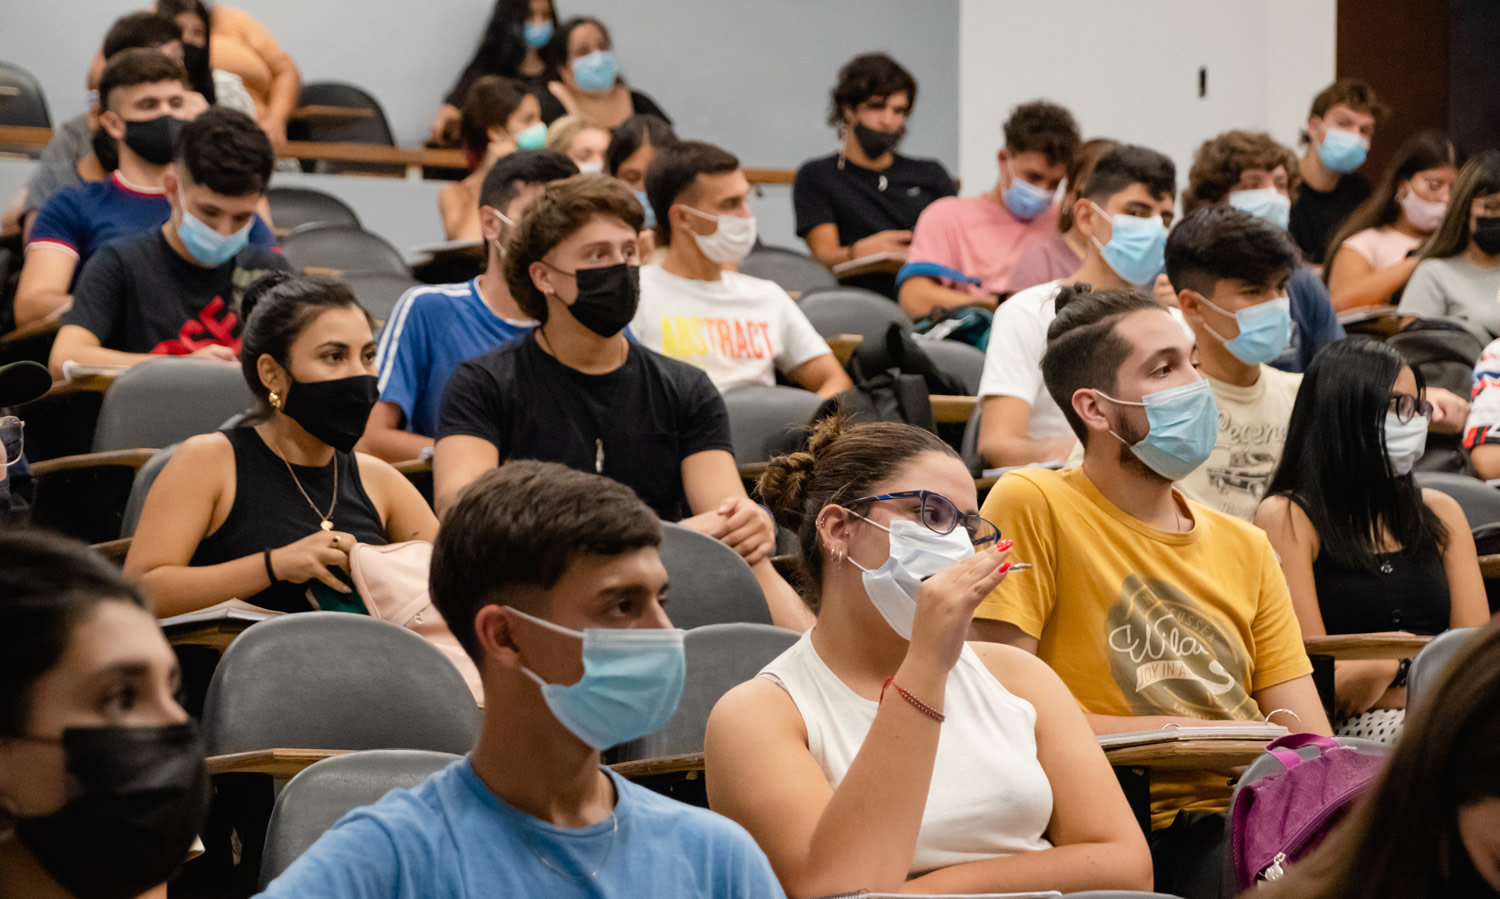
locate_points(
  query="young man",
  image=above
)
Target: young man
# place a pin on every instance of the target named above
(432, 329)
(576, 391)
(175, 290)
(1123, 216)
(144, 101)
(1340, 126)
(534, 558)
(739, 330)
(1153, 609)
(964, 247)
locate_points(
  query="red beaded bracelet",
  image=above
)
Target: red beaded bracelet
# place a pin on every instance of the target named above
(916, 703)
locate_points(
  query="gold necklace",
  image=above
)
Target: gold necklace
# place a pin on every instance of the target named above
(615, 821)
(327, 520)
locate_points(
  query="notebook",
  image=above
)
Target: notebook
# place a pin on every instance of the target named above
(229, 609)
(1248, 730)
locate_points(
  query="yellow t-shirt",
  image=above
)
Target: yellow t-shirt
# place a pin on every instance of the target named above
(1141, 621)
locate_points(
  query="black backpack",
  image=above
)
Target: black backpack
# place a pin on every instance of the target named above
(893, 380)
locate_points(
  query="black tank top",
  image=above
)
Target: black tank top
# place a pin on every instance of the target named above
(1408, 593)
(269, 512)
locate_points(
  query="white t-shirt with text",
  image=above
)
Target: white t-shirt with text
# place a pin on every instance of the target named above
(1013, 362)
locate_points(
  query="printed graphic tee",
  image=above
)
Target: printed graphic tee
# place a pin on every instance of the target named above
(1252, 430)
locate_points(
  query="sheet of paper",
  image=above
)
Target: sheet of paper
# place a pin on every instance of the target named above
(1248, 730)
(229, 609)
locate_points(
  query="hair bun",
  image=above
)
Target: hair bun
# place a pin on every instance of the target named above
(783, 487)
(258, 290)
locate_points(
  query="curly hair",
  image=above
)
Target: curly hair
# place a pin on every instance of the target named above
(1042, 127)
(1221, 160)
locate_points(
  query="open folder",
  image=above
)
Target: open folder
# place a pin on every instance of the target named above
(229, 609)
(1249, 730)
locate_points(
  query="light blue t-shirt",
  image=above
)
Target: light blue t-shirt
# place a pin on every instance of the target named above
(431, 331)
(451, 837)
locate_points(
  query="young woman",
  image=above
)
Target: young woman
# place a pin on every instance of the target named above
(882, 751)
(1431, 824)
(1364, 549)
(587, 80)
(264, 511)
(1371, 257)
(1459, 275)
(581, 141)
(499, 119)
(102, 784)
(511, 47)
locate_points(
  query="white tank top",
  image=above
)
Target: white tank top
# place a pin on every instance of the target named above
(989, 795)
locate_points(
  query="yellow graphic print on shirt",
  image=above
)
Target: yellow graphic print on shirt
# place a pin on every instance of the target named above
(683, 336)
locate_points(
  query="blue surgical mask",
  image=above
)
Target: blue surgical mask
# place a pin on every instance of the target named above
(207, 245)
(537, 34)
(533, 137)
(1025, 200)
(640, 196)
(1265, 330)
(596, 72)
(917, 552)
(1342, 151)
(632, 679)
(1137, 248)
(1184, 426)
(1267, 203)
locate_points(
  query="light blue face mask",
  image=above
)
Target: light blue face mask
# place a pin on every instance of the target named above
(1267, 203)
(640, 196)
(1265, 330)
(537, 34)
(207, 245)
(596, 72)
(1342, 151)
(632, 679)
(1137, 247)
(533, 137)
(1025, 200)
(1184, 426)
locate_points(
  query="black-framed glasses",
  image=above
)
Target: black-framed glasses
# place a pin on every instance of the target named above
(1408, 407)
(938, 514)
(12, 438)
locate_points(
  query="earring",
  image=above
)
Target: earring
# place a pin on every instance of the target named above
(275, 400)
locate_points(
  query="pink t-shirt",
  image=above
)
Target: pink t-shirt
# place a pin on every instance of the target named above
(978, 237)
(1382, 246)
(1043, 261)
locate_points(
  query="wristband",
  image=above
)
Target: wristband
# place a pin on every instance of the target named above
(270, 572)
(916, 703)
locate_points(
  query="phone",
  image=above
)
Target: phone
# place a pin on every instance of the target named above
(326, 599)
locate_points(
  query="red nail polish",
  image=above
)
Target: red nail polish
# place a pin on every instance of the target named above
(1005, 544)
(1003, 568)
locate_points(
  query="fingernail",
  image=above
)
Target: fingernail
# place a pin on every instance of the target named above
(1003, 568)
(1005, 544)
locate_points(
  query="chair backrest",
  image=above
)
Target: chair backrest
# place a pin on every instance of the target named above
(711, 584)
(354, 129)
(324, 792)
(345, 248)
(145, 476)
(379, 291)
(968, 448)
(768, 421)
(333, 680)
(1480, 502)
(719, 658)
(22, 102)
(293, 207)
(165, 401)
(852, 310)
(1428, 668)
(964, 362)
(792, 270)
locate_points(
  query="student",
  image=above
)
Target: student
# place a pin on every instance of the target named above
(499, 119)
(433, 329)
(511, 46)
(739, 330)
(218, 87)
(832, 757)
(264, 511)
(587, 81)
(865, 199)
(1153, 609)
(632, 149)
(176, 290)
(94, 749)
(1340, 126)
(1123, 216)
(1363, 547)
(1060, 255)
(532, 559)
(20, 383)
(1374, 254)
(1427, 826)
(581, 141)
(1482, 430)
(243, 47)
(961, 240)
(1458, 276)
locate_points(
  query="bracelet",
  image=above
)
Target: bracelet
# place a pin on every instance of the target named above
(270, 572)
(916, 703)
(1402, 670)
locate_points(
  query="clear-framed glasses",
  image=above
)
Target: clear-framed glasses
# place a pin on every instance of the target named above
(1408, 407)
(938, 514)
(12, 438)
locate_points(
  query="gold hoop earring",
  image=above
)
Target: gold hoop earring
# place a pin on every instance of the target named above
(275, 400)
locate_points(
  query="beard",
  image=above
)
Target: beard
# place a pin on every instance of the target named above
(1128, 459)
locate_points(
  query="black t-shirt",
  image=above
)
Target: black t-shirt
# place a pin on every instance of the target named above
(1318, 215)
(640, 104)
(137, 295)
(644, 417)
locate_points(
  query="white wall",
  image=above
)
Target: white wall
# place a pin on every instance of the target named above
(1129, 70)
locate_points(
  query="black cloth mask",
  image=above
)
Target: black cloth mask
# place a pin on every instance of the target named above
(1487, 235)
(155, 139)
(607, 297)
(334, 411)
(876, 144)
(138, 797)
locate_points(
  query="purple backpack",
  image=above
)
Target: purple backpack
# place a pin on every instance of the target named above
(1280, 818)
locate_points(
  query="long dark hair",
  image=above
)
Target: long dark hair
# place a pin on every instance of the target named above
(1479, 178)
(1422, 151)
(1402, 839)
(1334, 461)
(502, 47)
(556, 53)
(200, 72)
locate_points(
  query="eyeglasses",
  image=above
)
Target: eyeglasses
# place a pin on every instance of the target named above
(13, 438)
(938, 514)
(1408, 407)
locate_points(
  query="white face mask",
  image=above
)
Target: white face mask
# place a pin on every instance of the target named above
(1404, 442)
(733, 240)
(917, 552)
(590, 168)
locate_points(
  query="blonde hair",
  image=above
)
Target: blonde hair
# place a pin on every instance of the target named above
(560, 133)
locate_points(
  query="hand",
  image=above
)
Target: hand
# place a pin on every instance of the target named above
(310, 558)
(745, 528)
(1359, 685)
(275, 129)
(1449, 411)
(881, 242)
(945, 608)
(215, 351)
(1163, 292)
(447, 117)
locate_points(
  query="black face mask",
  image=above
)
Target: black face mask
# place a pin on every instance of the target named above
(335, 411)
(1487, 235)
(607, 297)
(138, 798)
(106, 150)
(876, 144)
(155, 139)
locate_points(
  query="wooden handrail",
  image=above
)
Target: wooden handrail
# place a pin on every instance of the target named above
(1351, 647)
(953, 409)
(125, 458)
(35, 329)
(114, 550)
(275, 762)
(24, 136)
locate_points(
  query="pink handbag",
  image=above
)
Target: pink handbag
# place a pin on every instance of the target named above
(392, 579)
